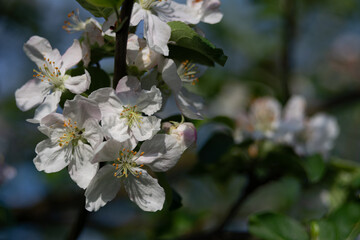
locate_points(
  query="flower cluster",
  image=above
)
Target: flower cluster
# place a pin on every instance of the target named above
(116, 126)
(307, 135)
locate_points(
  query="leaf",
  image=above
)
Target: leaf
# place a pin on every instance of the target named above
(186, 44)
(280, 196)
(314, 167)
(347, 221)
(97, 11)
(106, 3)
(99, 79)
(215, 147)
(274, 226)
(322, 230)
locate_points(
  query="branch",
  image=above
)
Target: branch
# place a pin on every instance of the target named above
(121, 41)
(344, 98)
(78, 224)
(288, 36)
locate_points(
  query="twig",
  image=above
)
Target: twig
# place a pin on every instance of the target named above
(344, 98)
(78, 224)
(121, 41)
(288, 36)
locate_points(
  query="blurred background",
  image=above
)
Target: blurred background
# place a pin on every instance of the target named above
(312, 45)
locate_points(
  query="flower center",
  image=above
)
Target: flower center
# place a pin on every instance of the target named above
(75, 24)
(72, 133)
(132, 115)
(187, 72)
(125, 164)
(51, 74)
(264, 120)
(147, 4)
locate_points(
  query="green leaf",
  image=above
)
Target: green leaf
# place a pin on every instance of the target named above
(99, 79)
(273, 226)
(347, 221)
(314, 167)
(322, 230)
(106, 3)
(97, 11)
(186, 44)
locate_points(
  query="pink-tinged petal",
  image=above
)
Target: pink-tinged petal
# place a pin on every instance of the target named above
(72, 56)
(81, 170)
(108, 102)
(31, 94)
(116, 127)
(149, 102)
(191, 105)
(148, 127)
(169, 11)
(170, 76)
(78, 84)
(157, 33)
(93, 132)
(128, 84)
(35, 48)
(185, 134)
(80, 109)
(160, 153)
(109, 150)
(102, 188)
(49, 105)
(145, 191)
(137, 15)
(51, 157)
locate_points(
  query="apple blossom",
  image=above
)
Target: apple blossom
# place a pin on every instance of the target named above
(50, 80)
(184, 132)
(159, 154)
(207, 10)
(122, 110)
(73, 136)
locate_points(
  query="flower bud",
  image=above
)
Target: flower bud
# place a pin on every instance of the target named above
(185, 133)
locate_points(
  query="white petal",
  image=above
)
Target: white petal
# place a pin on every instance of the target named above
(169, 11)
(169, 74)
(31, 94)
(78, 84)
(51, 157)
(93, 132)
(80, 109)
(72, 56)
(94, 33)
(51, 122)
(128, 84)
(35, 48)
(109, 150)
(148, 127)
(80, 168)
(116, 127)
(102, 188)
(160, 153)
(190, 104)
(86, 52)
(145, 191)
(294, 114)
(49, 105)
(137, 14)
(149, 102)
(109, 22)
(212, 17)
(108, 102)
(157, 33)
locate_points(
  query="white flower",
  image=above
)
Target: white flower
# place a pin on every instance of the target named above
(207, 10)
(184, 133)
(140, 55)
(122, 110)
(318, 136)
(159, 154)
(265, 114)
(50, 80)
(92, 33)
(72, 138)
(190, 104)
(156, 14)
